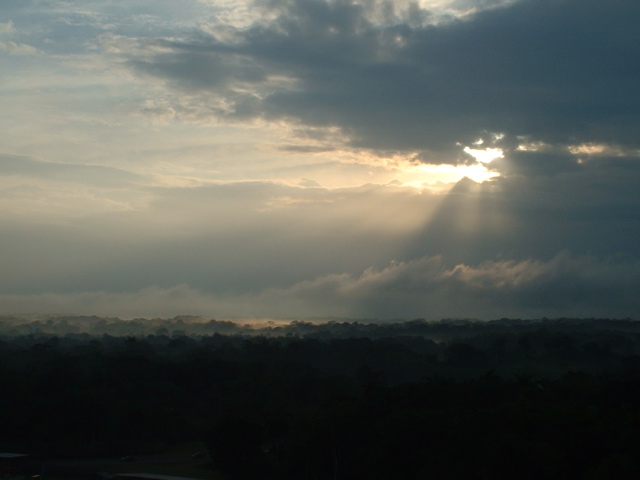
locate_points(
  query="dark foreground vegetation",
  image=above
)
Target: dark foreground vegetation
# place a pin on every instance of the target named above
(448, 400)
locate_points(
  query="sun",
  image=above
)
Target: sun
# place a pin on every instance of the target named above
(486, 155)
(429, 174)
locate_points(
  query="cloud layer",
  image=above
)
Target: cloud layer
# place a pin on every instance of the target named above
(307, 158)
(421, 288)
(560, 73)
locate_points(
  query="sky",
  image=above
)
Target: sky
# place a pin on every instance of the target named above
(320, 158)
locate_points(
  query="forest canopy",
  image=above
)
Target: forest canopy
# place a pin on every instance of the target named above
(319, 400)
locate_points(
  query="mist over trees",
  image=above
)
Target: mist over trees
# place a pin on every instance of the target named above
(450, 399)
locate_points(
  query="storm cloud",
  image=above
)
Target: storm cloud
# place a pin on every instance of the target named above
(561, 73)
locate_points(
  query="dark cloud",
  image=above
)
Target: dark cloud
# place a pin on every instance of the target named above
(536, 163)
(432, 287)
(206, 69)
(562, 72)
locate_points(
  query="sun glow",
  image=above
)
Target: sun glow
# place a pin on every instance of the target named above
(448, 174)
(486, 155)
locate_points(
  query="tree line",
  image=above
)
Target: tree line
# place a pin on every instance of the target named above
(548, 399)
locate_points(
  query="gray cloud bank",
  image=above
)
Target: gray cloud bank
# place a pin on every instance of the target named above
(561, 72)
(425, 288)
